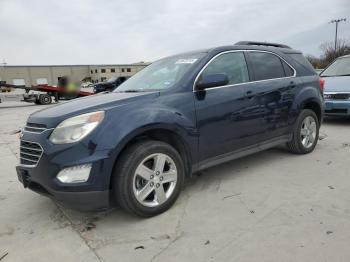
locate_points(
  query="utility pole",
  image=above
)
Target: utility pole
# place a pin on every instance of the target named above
(336, 21)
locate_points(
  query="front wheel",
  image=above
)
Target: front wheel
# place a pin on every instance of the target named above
(305, 133)
(148, 178)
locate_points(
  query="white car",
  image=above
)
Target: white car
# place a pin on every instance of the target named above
(337, 87)
(86, 85)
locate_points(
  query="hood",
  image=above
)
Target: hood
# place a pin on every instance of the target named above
(337, 84)
(55, 114)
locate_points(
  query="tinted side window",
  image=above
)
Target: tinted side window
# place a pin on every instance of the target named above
(231, 64)
(266, 66)
(287, 69)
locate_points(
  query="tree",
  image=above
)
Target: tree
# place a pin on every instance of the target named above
(315, 61)
(329, 53)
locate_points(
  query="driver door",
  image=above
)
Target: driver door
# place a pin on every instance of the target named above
(229, 116)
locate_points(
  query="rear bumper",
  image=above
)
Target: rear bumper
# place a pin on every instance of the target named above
(337, 107)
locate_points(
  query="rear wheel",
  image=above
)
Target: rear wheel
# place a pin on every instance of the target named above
(305, 133)
(148, 178)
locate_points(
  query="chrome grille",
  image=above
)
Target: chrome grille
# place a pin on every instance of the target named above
(35, 128)
(30, 153)
(339, 96)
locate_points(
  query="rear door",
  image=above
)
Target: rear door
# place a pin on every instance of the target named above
(274, 86)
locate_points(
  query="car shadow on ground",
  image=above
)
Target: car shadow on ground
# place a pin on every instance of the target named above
(209, 179)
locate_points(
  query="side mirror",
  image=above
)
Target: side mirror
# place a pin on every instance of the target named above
(213, 80)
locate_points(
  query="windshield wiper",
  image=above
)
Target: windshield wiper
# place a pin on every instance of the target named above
(137, 90)
(132, 91)
(128, 91)
(334, 75)
(344, 75)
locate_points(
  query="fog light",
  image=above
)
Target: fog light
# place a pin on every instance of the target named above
(75, 174)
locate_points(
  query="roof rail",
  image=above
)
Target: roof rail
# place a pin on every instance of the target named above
(262, 43)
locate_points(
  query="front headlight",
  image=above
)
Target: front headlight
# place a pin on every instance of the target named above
(76, 128)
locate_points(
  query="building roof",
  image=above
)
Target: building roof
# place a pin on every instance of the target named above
(92, 65)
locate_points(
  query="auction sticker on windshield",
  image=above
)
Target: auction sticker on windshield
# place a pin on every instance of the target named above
(186, 61)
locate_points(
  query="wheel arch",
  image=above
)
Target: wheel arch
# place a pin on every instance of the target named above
(309, 98)
(314, 106)
(163, 134)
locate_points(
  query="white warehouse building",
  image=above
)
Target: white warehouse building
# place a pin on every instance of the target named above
(49, 74)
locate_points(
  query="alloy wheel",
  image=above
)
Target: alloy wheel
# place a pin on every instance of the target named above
(308, 131)
(155, 179)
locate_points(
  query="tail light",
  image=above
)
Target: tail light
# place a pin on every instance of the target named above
(321, 84)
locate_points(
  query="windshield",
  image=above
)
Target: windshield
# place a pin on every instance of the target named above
(340, 67)
(161, 74)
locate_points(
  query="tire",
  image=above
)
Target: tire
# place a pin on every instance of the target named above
(45, 99)
(301, 133)
(129, 187)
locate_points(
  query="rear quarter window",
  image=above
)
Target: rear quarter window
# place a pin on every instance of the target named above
(287, 69)
(301, 60)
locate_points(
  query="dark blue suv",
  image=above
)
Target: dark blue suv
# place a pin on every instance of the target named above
(181, 114)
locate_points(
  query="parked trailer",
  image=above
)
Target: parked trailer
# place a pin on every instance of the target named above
(40, 94)
(25, 97)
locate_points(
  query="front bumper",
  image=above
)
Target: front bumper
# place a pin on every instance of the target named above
(84, 201)
(93, 194)
(337, 107)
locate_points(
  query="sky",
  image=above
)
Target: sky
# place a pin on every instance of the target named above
(34, 32)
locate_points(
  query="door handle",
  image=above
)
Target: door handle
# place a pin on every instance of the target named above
(249, 94)
(291, 84)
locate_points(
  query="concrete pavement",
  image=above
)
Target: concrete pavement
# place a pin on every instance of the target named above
(271, 206)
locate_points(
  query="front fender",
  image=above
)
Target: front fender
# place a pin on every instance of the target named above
(125, 123)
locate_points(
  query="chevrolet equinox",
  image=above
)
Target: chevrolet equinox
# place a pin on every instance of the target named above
(135, 146)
